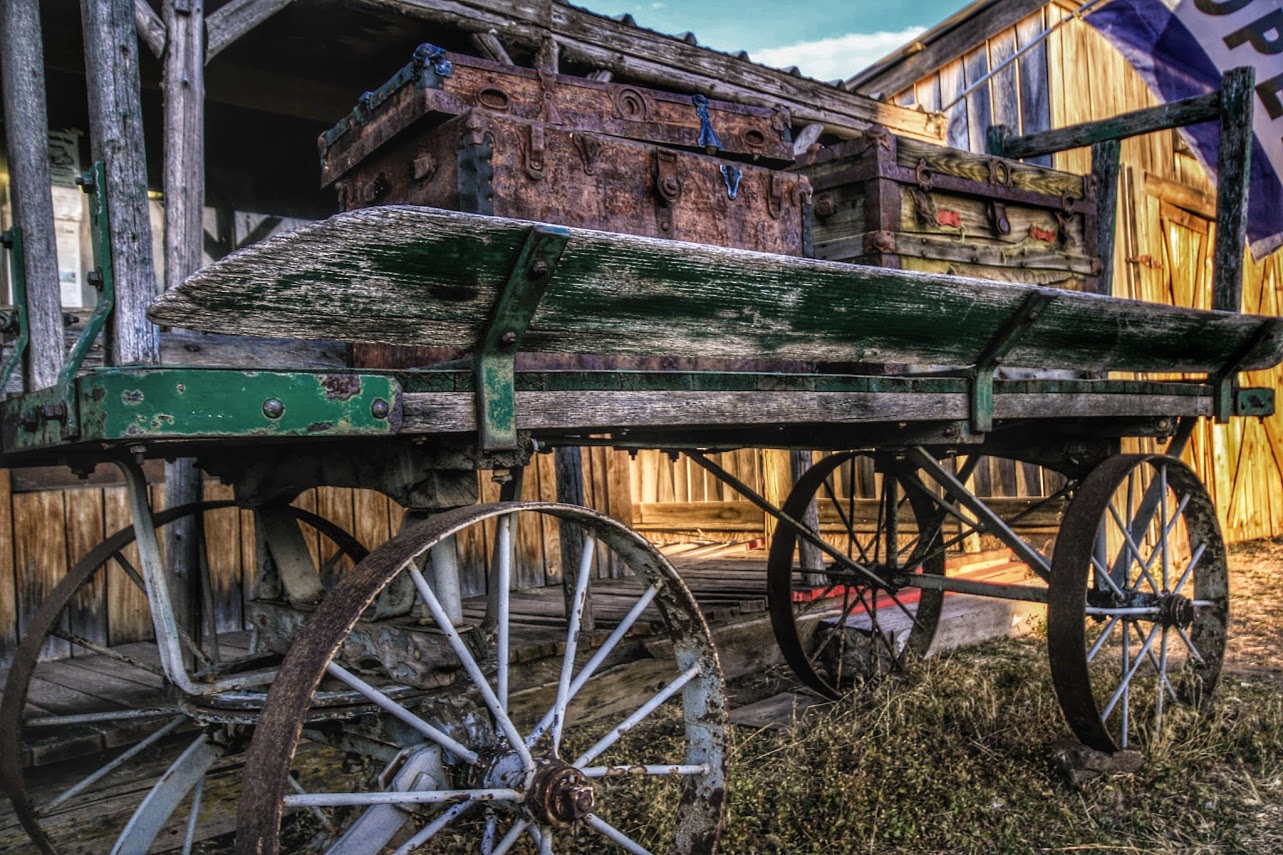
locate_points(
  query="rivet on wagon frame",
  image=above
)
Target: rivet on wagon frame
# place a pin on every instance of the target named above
(380, 408)
(273, 408)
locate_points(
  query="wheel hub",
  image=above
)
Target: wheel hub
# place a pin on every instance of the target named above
(559, 794)
(1176, 610)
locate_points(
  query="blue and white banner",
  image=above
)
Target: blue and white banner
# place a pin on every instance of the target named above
(1181, 48)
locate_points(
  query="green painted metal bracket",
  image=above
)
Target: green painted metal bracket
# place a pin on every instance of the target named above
(1225, 388)
(1256, 402)
(103, 278)
(497, 350)
(981, 404)
(17, 322)
(143, 404)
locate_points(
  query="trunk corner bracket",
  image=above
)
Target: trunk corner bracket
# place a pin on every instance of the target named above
(497, 348)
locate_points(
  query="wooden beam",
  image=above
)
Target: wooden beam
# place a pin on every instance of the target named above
(489, 46)
(27, 132)
(151, 29)
(456, 412)
(116, 132)
(234, 20)
(1188, 111)
(1181, 195)
(665, 61)
(1104, 170)
(1233, 175)
(969, 32)
(183, 86)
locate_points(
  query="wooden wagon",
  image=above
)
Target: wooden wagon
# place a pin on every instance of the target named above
(446, 718)
(458, 715)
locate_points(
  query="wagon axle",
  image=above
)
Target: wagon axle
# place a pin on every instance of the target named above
(1169, 610)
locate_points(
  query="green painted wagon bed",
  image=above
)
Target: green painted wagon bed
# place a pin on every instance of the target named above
(916, 373)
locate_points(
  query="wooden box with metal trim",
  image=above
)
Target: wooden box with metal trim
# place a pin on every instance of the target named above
(895, 202)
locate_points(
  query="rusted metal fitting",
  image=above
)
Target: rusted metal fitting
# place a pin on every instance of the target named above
(559, 794)
(1176, 610)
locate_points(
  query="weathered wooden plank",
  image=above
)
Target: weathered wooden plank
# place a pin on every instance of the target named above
(975, 66)
(1189, 111)
(1005, 84)
(151, 29)
(953, 42)
(128, 615)
(8, 582)
(27, 133)
(222, 554)
(404, 275)
(40, 555)
(1233, 175)
(235, 19)
(952, 83)
(84, 514)
(1035, 106)
(1104, 170)
(456, 411)
(116, 130)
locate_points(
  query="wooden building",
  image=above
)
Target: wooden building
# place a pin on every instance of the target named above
(264, 77)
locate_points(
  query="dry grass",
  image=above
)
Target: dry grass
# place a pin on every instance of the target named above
(955, 756)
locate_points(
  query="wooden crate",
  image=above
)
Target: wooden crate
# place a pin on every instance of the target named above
(490, 163)
(895, 202)
(437, 84)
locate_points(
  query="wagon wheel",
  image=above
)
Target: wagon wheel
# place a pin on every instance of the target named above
(1138, 599)
(841, 623)
(494, 742)
(132, 691)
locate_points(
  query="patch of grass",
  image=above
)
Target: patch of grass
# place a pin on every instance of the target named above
(954, 756)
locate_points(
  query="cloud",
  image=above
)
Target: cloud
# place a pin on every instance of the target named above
(838, 57)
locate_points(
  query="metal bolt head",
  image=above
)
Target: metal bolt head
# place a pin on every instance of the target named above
(380, 408)
(508, 339)
(540, 269)
(273, 408)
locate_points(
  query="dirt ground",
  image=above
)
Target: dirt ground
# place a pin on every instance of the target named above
(1256, 610)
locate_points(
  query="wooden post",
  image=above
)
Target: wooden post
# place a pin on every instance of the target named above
(183, 86)
(570, 490)
(810, 559)
(1104, 171)
(1233, 174)
(27, 129)
(116, 130)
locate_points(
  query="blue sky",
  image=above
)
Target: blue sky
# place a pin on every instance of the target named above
(827, 39)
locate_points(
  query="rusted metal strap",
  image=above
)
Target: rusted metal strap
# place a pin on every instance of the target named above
(497, 350)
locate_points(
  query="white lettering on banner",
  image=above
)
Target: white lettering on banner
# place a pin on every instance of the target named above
(1236, 33)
